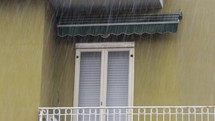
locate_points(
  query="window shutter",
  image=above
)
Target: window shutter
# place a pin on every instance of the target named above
(89, 86)
(117, 78)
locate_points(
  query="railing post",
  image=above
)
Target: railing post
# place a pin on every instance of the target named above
(40, 115)
(138, 114)
(40, 118)
(95, 114)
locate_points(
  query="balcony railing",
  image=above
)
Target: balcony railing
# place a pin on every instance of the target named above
(139, 113)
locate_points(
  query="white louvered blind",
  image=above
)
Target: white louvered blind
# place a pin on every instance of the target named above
(117, 78)
(89, 84)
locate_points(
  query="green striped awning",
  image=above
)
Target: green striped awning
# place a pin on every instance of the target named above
(117, 25)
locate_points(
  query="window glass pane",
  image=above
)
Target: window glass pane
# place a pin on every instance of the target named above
(89, 85)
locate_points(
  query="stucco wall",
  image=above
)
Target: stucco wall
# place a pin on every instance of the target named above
(64, 73)
(178, 69)
(156, 71)
(21, 46)
(48, 59)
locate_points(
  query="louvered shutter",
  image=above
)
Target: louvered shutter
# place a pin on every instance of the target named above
(89, 84)
(117, 78)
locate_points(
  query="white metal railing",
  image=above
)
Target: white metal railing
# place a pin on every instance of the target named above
(137, 113)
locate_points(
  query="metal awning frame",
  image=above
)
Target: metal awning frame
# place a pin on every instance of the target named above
(118, 24)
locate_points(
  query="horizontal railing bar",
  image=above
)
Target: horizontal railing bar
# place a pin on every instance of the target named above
(129, 107)
(131, 113)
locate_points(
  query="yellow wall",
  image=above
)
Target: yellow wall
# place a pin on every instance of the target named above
(48, 59)
(178, 69)
(64, 73)
(21, 46)
(156, 69)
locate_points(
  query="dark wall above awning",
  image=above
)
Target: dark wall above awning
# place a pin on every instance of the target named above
(117, 25)
(113, 4)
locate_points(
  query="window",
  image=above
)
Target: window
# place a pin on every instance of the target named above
(104, 74)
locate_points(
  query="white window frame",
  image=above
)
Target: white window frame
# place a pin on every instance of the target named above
(104, 48)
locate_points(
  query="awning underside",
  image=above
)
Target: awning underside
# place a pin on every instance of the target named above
(117, 25)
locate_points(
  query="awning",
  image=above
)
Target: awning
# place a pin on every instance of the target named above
(117, 25)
